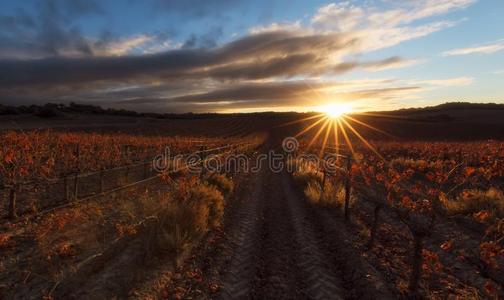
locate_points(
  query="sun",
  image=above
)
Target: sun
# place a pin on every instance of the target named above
(336, 110)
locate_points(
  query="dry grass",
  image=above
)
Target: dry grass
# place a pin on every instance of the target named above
(471, 202)
(221, 181)
(198, 206)
(315, 189)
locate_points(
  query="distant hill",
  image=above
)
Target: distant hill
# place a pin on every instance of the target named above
(445, 107)
(52, 110)
(453, 121)
(447, 112)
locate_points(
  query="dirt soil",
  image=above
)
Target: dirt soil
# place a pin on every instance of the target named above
(275, 246)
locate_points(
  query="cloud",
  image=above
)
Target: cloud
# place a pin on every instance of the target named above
(274, 65)
(49, 31)
(456, 81)
(345, 16)
(478, 49)
(410, 11)
(281, 50)
(394, 62)
(293, 26)
(273, 94)
(341, 16)
(122, 47)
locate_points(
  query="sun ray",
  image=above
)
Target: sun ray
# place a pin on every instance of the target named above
(380, 115)
(318, 133)
(362, 138)
(369, 126)
(345, 135)
(309, 128)
(336, 138)
(326, 137)
(301, 120)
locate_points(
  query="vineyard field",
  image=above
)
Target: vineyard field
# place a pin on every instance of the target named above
(89, 213)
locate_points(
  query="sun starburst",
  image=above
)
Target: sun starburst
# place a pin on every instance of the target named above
(335, 119)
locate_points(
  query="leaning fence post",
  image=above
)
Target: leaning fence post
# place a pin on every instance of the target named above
(101, 180)
(348, 187)
(12, 203)
(76, 185)
(127, 174)
(67, 192)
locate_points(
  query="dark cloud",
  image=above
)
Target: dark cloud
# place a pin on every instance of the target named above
(65, 66)
(49, 31)
(287, 55)
(271, 95)
(274, 92)
(206, 40)
(186, 77)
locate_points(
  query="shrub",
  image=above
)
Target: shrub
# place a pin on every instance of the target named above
(222, 182)
(312, 192)
(48, 112)
(306, 173)
(200, 204)
(208, 202)
(307, 176)
(332, 194)
(475, 201)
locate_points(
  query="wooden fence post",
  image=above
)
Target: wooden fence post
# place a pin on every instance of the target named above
(12, 203)
(77, 171)
(101, 180)
(416, 267)
(67, 192)
(348, 187)
(374, 226)
(76, 185)
(126, 175)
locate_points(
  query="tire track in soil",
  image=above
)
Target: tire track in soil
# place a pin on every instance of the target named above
(336, 252)
(322, 281)
(278, 275)
(277, 254)
(241, 247)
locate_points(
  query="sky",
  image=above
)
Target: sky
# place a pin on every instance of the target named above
(244, 56)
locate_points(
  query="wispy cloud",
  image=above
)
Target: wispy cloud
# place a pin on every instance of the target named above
(124, 46)
(394, 62)
(477, 49)
(447, 82)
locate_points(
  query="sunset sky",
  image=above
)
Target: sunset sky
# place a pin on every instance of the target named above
(232, 55)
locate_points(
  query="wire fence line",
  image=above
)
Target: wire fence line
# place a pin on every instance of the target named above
(79, 174)
(46, 196)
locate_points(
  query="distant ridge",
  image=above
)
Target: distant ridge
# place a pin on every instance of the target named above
(52, 110)
(448, 106)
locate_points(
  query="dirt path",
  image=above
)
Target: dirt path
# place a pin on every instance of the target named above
(275, 250)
